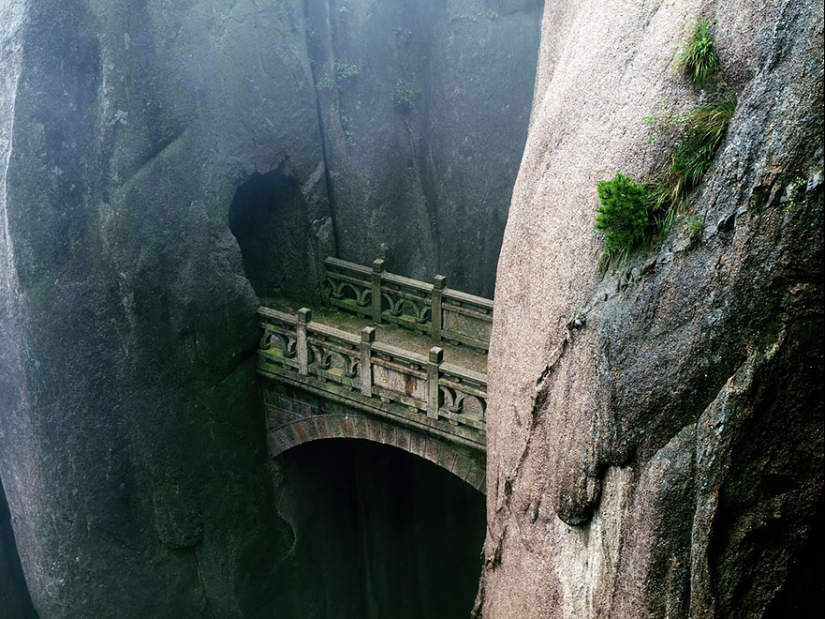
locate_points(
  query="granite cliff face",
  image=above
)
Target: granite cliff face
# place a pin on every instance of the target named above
(160, 163)
(655, 435)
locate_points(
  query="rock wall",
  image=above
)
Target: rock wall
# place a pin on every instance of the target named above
(655, 435)
(424, 107)
(403, 540)
(14, 602)
(132, 452)
(131, 433)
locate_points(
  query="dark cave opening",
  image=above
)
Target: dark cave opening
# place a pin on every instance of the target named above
(15, 602)
(268, 218)
(379, 533)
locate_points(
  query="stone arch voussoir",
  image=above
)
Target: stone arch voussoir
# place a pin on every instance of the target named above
(286, 431)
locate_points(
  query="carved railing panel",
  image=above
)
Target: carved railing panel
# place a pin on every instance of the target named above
(463, 396)
(399, 376)
(348, 286)
(406, 303)
(466, 319)
(278, 346)
(335, 355)
(355, 367)
(422, 307)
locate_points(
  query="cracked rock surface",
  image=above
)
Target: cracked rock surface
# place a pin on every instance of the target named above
(655, 435)
(132, 446)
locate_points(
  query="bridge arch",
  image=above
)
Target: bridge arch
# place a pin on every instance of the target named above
(293, 422)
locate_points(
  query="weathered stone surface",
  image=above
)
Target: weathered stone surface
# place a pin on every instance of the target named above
(423, 144)
(667, 458)
(132, 451)
(131, 440)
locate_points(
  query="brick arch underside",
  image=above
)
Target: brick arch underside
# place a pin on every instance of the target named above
(293, 432)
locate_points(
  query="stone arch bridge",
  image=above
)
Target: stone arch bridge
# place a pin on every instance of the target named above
(389, 359)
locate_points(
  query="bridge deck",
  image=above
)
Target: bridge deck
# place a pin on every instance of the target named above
(464, 356)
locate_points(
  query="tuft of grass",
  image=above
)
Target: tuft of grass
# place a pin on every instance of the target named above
(695, 229)
(698, 60)
(792, 192)
(704, 129)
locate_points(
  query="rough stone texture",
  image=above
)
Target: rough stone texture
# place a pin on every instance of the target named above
(426, 187)
(665, 460)
(131, 437)
(131, 446)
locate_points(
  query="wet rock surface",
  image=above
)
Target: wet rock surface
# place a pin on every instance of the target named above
(14, 598)
(664, 457)
(131, 437)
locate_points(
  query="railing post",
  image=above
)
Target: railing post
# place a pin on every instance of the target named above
(367, 338)
(435, 308)
(304, 316)
(436, 357)
(377, 271)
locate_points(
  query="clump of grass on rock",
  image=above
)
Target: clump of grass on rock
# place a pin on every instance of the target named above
(698, 59)
(635, 215)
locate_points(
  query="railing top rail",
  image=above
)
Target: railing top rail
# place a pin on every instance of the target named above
(352, 266)
(332, 332)
(400, 353)
(268, 312)
(457, 370)
(457, 295)
(400, 280)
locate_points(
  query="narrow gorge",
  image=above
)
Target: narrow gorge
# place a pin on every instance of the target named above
(653, 422)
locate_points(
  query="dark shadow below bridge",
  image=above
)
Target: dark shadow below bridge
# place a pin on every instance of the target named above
(378, 534)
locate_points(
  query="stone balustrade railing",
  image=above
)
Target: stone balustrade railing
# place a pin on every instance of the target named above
(422, 391)
(434, 309)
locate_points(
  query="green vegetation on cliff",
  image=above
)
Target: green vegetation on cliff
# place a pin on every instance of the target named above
(633, 216)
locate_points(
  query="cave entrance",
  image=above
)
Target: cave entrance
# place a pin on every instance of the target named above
(268, 216)
(14, 594)
(378, 532)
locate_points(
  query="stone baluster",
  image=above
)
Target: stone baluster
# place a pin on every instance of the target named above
(435, 308)
(302, 350)
(367, 338)
(433, 370)
(377, 272)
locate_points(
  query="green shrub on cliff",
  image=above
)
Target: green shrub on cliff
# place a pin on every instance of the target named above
(344, 71)
(404, 95)
(633, 215)
(623, 216)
